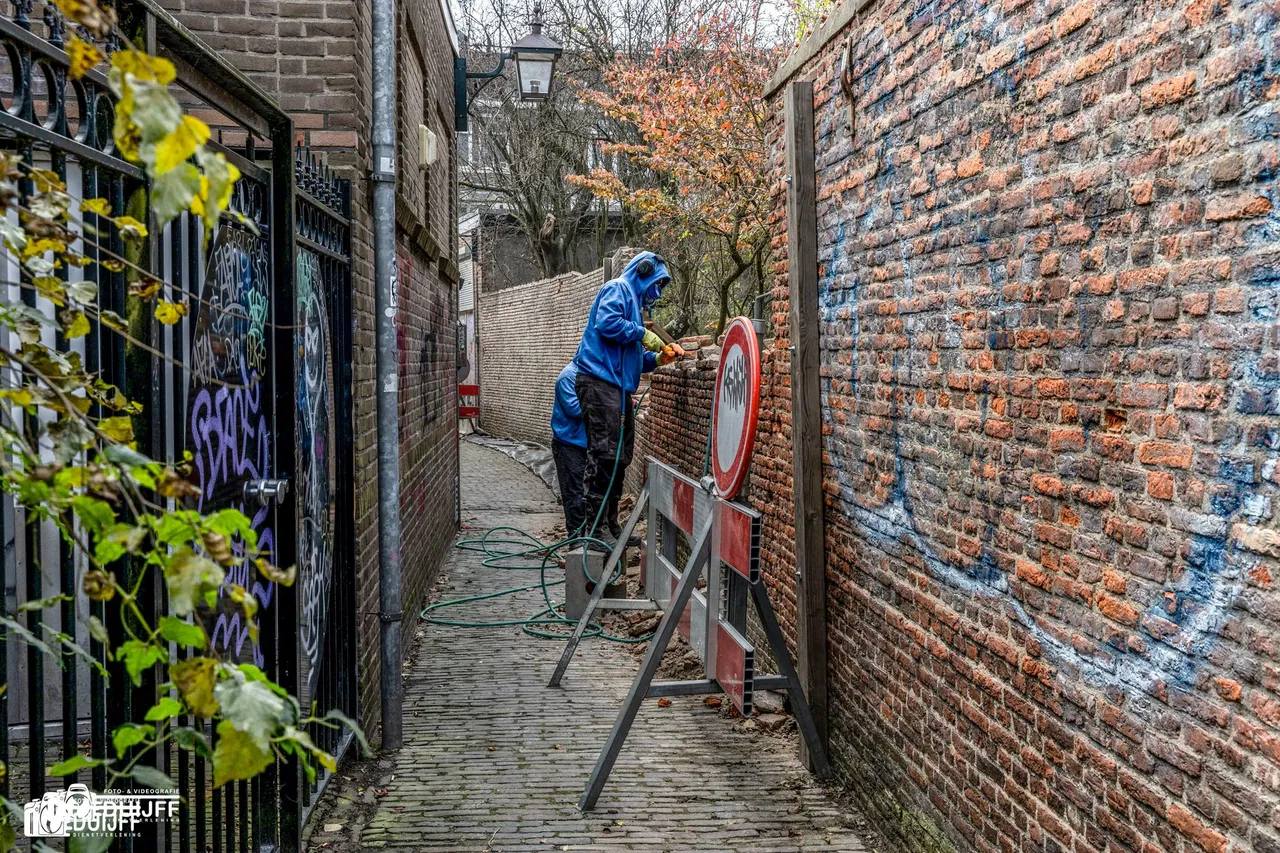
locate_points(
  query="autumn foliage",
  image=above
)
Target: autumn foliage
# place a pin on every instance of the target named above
(697, 176)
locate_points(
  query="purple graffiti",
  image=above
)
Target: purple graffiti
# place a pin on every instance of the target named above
(230, 434)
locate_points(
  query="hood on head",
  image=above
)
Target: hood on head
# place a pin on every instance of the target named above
(646, 275)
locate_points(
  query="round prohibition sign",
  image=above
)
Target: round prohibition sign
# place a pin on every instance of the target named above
(736, 407)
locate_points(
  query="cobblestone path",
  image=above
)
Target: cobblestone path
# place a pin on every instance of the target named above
(493, 760)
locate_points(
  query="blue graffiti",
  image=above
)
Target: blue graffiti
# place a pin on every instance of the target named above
(1180, 618)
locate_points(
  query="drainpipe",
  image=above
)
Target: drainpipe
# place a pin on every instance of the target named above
(384, 270)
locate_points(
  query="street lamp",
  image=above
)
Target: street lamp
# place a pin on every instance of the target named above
(535, 57)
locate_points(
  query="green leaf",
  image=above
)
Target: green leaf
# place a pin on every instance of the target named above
(99, 632)
(182, 633)
(26, 636)
(72, 764)
(165, 709)
(94, 514)
(116, 541)
(150, 777)
(351, 724)
(195, 679)
(74, 648)
(231, 523)
(253, 708)
(130, 734)
(189, 577)
(178, 528)
(138, 657)
(42, 604)
(237, 755)
(172, 192)
(8, 838)
(122, 455)
(193, 741)
(84, 292)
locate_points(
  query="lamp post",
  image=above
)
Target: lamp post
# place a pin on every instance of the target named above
(535, 56)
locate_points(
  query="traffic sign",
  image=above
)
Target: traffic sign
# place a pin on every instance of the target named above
(735, 408)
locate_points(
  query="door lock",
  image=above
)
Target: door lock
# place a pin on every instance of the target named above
(266, 491)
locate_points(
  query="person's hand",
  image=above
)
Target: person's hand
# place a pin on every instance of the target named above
(651, 341)
(670, 353)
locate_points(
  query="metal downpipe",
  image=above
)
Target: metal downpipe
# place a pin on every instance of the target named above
(384, 267)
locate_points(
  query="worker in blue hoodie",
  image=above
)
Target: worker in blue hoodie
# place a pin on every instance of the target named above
(569, 447)
(616, 348)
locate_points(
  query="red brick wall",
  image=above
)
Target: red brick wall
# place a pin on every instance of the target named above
(1048, 298)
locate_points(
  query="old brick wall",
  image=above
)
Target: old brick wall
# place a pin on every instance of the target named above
(314, 57)
(1048, 298)
(528, 333)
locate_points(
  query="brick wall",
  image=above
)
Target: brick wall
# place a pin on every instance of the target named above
(1048, 298)
(314, 57)
(528, 333)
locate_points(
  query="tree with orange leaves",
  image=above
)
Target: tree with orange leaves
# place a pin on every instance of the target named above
(697, 178)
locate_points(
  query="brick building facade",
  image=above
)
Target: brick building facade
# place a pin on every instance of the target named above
(1048, 298)
(315, 58)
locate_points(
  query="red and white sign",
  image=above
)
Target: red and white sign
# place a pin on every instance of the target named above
(736, 407)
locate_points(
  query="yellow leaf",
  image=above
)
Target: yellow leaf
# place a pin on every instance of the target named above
(47, 181)
(78, 327)
(84, 56)
(146, 288)
(100, 206)
(117, 429)
(170, 312)
(20, 396)
(178, 146)
(130, 228)
(112, 265)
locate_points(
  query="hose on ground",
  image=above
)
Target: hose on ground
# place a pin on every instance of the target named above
(512, 549)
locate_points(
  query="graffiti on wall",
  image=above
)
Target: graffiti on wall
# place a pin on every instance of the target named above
(315, 563)
(924, 337)
(230, 434)
(424, 341)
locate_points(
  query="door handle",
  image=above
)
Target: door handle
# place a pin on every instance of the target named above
(266, 491)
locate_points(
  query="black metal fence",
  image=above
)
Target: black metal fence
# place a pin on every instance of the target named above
(254, 382)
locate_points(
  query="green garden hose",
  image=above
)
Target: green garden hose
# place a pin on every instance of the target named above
(514, 549)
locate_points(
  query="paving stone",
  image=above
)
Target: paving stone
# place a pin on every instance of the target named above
(494, 760)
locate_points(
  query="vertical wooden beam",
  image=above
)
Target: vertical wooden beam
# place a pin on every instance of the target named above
(806, 406)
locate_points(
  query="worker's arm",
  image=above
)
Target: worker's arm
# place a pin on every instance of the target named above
(611, 317)
(650, 361)
(568, 396)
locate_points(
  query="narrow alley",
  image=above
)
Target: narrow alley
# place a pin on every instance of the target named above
(494, 760)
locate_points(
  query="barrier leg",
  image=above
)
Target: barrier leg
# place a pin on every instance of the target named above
(598, 592)
(640, 687)
(804, 717)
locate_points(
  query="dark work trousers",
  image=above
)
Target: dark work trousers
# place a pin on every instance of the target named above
(610, 418)
(571, 463)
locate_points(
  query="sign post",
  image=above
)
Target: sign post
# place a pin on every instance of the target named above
(736, 407)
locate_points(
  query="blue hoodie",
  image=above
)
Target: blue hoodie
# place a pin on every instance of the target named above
(566, 415)
(611, 348)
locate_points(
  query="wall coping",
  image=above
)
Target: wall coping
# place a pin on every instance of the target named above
(811, 46)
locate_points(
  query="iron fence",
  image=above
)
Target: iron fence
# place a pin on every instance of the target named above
(254, 383)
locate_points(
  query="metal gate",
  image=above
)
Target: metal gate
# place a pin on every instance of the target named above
(254, 383)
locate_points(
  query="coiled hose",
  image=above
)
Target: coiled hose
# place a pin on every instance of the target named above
(513, 549)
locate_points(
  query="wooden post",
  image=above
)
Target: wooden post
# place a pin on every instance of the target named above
(806, 406)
